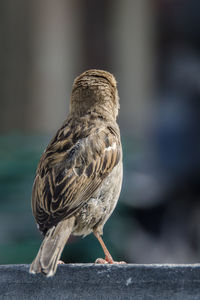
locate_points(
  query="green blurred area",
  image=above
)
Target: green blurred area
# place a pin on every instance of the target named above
(19, 155)
(19, 237)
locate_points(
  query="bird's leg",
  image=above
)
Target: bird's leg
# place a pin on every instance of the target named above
(108, 258)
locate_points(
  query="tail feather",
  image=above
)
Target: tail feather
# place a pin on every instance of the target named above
(51, 249)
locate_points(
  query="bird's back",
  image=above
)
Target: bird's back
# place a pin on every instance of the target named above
(76, 162)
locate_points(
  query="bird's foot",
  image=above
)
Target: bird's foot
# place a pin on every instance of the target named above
(60, 262)
(108, 260)
(101, 261)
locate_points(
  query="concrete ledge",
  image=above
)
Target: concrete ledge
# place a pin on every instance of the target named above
(93, 282)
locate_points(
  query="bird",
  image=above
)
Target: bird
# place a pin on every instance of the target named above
(79, 176)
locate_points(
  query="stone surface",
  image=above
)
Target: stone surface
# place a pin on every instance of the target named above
(93, 282)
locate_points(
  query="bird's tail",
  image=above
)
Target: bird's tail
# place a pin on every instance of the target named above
(51, 249)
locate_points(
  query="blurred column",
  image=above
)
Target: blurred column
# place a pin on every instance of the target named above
(15, 63)
(133, 32)
(96, 20)
(55, 60)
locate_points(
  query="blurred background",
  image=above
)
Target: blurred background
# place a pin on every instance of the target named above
(153, 49)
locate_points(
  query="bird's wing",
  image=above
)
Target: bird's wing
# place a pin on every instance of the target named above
(71, 169)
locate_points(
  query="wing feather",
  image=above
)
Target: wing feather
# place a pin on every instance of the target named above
(69, 172)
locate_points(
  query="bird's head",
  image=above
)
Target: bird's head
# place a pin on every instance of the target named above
(95, 90)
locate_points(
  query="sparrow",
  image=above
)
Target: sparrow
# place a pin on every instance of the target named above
(79, 175)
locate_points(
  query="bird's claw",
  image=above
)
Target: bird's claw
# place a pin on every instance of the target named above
(101, 261)
(104, 261)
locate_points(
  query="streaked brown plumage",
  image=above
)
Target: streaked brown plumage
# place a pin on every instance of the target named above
(78, 179)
